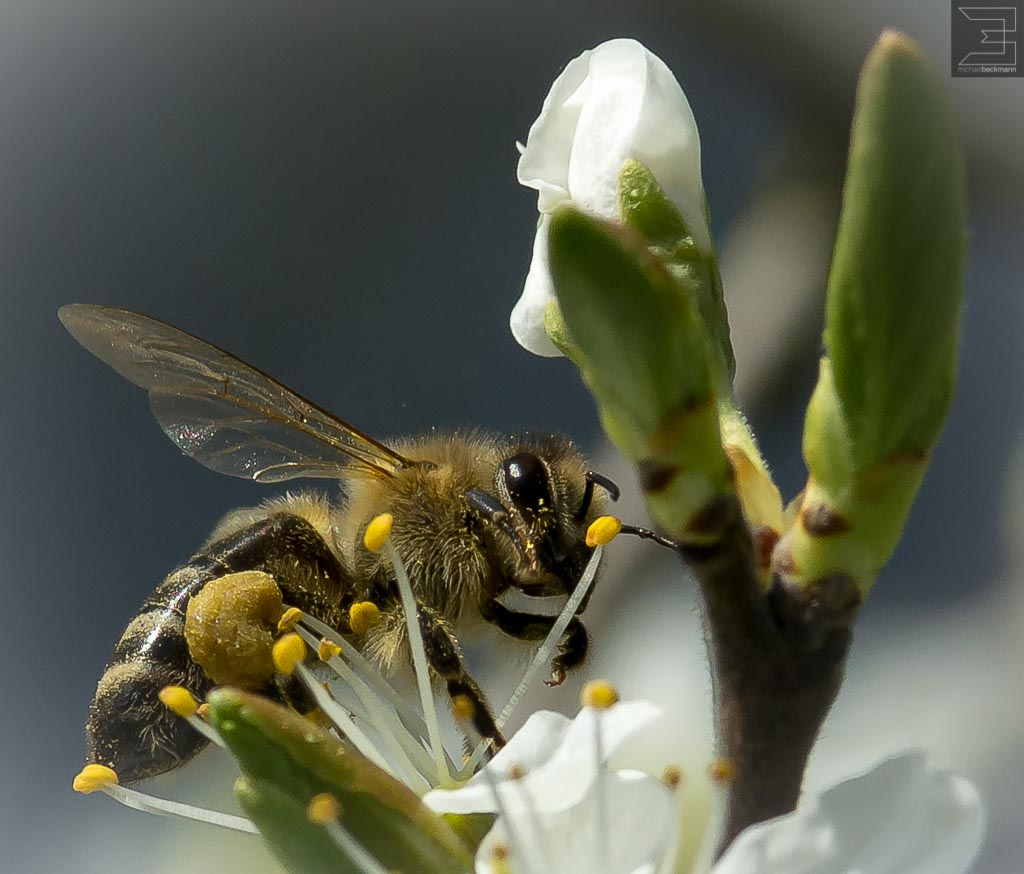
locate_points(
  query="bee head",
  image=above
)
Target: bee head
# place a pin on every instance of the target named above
(542, 503)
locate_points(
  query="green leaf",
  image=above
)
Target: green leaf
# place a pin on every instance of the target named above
(644, 207)
(646, 355)
(896, 284)
(278, 748)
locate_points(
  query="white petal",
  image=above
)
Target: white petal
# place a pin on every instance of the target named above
(558, 756)
(527, 320)
(544, 163)
(621, 833)
(900, 818)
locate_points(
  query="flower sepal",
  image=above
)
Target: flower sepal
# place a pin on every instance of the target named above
(645, 208)
(645, 353)
(288, 762)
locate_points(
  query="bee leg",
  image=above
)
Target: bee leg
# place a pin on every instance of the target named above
(572, 649)
(445, 658)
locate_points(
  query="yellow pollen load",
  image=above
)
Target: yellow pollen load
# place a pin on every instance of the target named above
(722, 771)
(603, 530)
(288, 652)
(599, 694)
(94, 777)
(323, 808)
(289, 619)
(377, 532)
(362, 616)
(463, 707)
(327, 650)
(178, 699)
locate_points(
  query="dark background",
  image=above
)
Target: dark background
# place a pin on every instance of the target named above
(328, 190)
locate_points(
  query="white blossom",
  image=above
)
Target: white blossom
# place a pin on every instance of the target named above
(567, 801)
(612, 103)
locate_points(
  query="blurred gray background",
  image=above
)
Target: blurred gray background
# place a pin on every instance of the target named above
(328, 190)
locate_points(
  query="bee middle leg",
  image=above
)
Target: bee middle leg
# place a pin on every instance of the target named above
(445, 658)
(572, 648)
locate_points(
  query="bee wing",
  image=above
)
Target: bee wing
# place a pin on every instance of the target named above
(224, 413)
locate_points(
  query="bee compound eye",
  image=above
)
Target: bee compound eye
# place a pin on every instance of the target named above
(526, 479)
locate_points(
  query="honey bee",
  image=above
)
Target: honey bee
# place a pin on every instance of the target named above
(476, 515)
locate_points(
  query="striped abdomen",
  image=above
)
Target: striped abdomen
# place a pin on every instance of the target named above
(128, 728)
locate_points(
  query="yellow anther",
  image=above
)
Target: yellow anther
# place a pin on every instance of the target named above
(499, 859)
(93, 777)
(289, 651)
(515, 772)
(323, 808)
(377, 531)
(178, 699)
(319, 718)
(327, 650)
(672, 777)
(362, 616)
(203, 712)
(599, 694)
(289, 619)
(602, 530)
(463, 707)
(722, 771)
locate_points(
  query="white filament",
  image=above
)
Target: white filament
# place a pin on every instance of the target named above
(164, 807)
(419, 662)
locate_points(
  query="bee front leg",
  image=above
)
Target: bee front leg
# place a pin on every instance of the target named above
(445, 659)
(572, 648)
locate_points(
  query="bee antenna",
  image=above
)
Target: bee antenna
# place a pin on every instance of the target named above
(647, 534)
(593, 478)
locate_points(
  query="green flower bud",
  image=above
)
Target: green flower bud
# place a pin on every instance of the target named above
(892, 322)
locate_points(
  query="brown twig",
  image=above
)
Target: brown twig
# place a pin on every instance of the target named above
(777, 660)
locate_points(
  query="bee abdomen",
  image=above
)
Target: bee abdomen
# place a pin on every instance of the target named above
(129, 729)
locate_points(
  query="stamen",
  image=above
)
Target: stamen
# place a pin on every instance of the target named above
(289, 619)
(289, 652)
(545, 650)
(341, 718)
(323, 808)
(362, 616)
(176, 809)
(722, 772)
(93, 778)
(518, 846)
(364, 862)
(602, 825)
(372, 677)
(179, 700)
(499, 859)
(389, 727)
(672, 776)
(603, 530)
(378, 531)
(326, 650)
(599, 694)
(419, 659)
